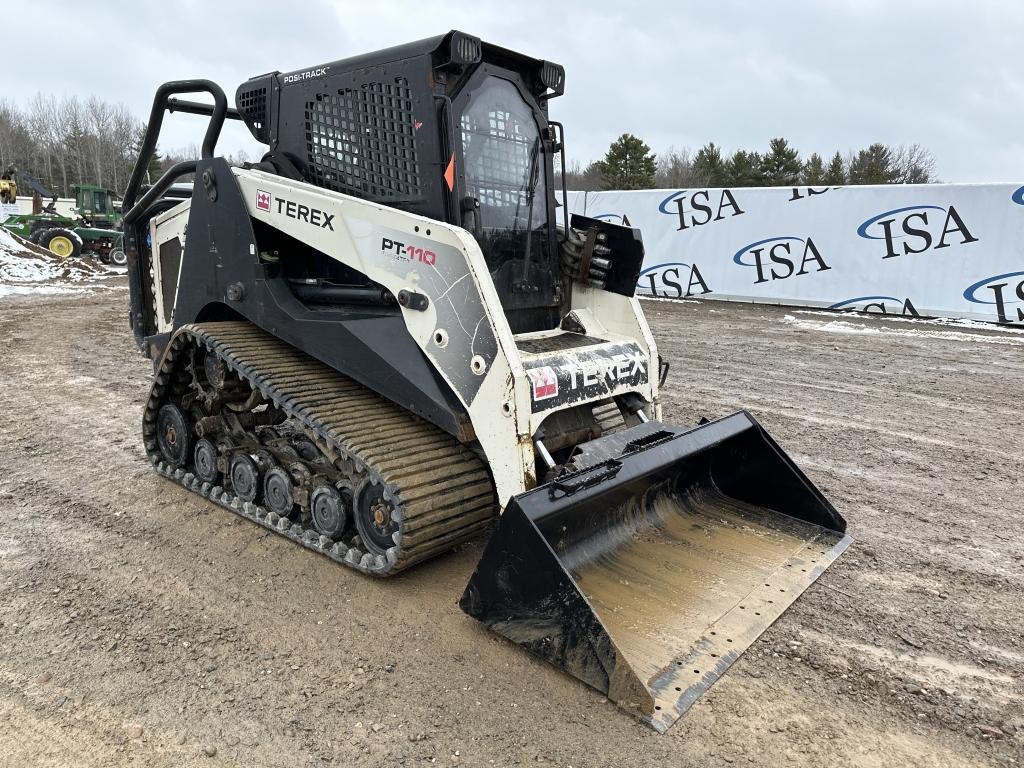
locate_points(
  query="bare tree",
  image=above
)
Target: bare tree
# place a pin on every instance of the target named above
(913, 165)
(675, 169)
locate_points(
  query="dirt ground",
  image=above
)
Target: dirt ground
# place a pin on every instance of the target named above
(139, 625)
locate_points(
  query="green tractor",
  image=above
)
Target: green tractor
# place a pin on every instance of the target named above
(92, 233)
(97, 206)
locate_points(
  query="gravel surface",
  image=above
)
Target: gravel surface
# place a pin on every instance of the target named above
(140, 625)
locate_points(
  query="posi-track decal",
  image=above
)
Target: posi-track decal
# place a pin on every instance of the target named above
(586, 374)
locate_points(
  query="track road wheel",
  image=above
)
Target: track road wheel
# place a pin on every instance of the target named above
(245, 477)
(215, 370)
(205, 459)
(374, 518)
(174, 434)
(329, 507)
(277, 492)
(62, 242)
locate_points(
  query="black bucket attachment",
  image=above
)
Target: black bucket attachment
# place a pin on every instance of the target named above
(648, 573)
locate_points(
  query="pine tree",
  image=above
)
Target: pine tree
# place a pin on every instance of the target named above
(874, 165)
(155, 168)
(708, 166)
(628, 164)
(743, 169)
(781, 166)
(835, 176)
(814, 171)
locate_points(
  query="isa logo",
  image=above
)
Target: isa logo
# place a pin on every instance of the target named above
(1005, 292)
(695, 208)
(886, 305)
(780, 258)
(613, 218)
(916, 229)
(667, 281)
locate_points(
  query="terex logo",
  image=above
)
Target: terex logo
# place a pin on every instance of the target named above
(1002, 291)
(911, 225)
(543, 381)
(300, 212)
(697, 208)
(666, 280)
(886, 305)
(782, 252)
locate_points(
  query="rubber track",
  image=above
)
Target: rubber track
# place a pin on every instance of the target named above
(441, 492)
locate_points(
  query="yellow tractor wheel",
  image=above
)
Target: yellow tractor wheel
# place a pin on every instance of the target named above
(62, 243)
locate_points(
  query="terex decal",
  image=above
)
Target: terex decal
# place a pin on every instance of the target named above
(544, 382)
(263, 200)
(300, 212)
(586, 374)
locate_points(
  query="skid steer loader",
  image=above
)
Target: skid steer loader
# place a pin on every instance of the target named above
(382, 336)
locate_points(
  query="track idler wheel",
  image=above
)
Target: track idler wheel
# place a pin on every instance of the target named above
(245, 477)
(204, 457)
(329, 507)
(277, 492)
(174, 434)
(375, 519)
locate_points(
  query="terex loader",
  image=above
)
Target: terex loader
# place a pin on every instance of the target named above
(385, 337)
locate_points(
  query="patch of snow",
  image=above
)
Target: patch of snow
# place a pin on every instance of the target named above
(24, 270)
(987, 333)
(956, 322)
(663, 298)
(25, 290)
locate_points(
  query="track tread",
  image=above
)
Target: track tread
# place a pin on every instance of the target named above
(442, 491)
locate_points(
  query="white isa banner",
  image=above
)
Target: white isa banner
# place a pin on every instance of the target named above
(934, 250)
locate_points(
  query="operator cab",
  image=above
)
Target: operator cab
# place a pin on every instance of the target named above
(450, 128)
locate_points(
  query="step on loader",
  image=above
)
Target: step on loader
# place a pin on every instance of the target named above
(387, 333)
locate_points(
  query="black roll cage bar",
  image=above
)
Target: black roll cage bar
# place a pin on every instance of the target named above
(163, 102)
(136, 208)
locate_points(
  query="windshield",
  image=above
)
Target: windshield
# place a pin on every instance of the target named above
(503, 158)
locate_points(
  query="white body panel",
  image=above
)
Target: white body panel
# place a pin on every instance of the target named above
(463, 330)
(162, 229)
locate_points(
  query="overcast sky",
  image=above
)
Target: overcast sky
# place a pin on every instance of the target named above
(827, 74)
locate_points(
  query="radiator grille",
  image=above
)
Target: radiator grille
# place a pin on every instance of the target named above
(361, 141)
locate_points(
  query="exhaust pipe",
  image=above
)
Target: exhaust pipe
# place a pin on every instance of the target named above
(647, 573)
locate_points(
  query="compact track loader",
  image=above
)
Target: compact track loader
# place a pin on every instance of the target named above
(380, 340)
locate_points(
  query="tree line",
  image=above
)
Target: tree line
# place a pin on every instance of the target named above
(631, 164)
(67, 141)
